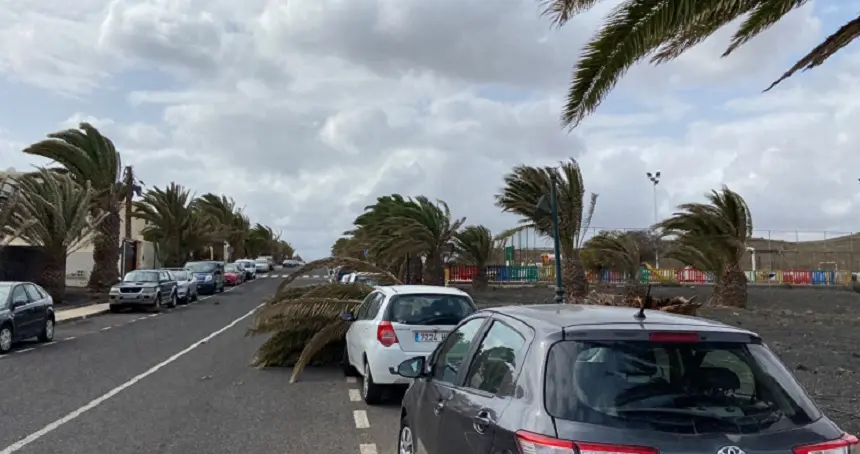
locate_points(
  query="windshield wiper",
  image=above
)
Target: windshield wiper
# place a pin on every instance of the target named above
(673, 411)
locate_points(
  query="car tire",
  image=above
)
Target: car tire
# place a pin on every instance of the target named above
(348, 370)
(405, 437)
(194, 296)
(114, 309)
(174, 301)
(47, 333)
(157, 304)
(5, 338)
(370, 391)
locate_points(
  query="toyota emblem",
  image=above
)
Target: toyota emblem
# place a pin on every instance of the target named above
(730, 450)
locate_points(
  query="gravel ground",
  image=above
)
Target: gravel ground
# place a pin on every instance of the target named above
(813, 330)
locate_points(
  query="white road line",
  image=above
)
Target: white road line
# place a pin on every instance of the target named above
(106, 328)
(354, 396)
(152, 315)
(367, 448)
(17, 446)
(25, 350)
(49, 343)
(360, 417)
(351, 380)
(70, 338)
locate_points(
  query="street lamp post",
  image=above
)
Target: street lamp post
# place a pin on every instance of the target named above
(655, 179)
(551, 207)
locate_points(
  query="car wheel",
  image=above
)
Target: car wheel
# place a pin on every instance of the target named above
(47, 334)
(348, 370)
(157, 305)
(114, 309)
(370, 391)
(194, 296)
(406, 439)
(5, 339)
(173, 300)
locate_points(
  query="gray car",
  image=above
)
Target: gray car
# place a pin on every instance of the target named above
(565, 379)
(186, 285)
(144, 289)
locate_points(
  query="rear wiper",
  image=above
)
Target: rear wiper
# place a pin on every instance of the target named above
(673, 411)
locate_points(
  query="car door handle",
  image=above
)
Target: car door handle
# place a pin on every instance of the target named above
(481, 421)
(439, 407)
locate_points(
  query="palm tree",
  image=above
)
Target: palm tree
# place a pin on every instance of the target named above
(54, 214)
(665, 29)
(474, 246)
(619, 250)
(348, 246)
(523, 189)
(261, 241)
(712, 237)
(396, 226)
(174, 224)
(91, 158)
(9, 196)
(221, 214)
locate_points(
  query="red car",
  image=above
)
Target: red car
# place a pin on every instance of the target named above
(233, 275)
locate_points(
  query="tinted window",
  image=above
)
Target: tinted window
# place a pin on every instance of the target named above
(141, 276)
(32, 292)
(429, 309)
(4, 293)
(454, 350)
(19, 294)
(374, 306)
(42, 292)
(496, 360)
(179, 275)
(683, 388)
(231, 268)
(200, 267)
(365, 306)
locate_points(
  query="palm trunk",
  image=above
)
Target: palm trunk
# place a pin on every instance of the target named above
(106, 253)
(434, 270)
(731, 289)
(573, 277)
(481, 281)
(632, 288)
(53, 278)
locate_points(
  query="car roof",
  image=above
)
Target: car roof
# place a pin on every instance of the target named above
(419, 289)
(11, 283)
(564, 316)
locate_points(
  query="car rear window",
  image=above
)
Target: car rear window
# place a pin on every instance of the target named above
(686, 388)
(178, 275)
(200, 267)
(231, 268)
(429, 309)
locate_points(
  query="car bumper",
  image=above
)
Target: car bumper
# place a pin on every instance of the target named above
(133, 300)
(381, 358)
(206, 287)
(231, 281)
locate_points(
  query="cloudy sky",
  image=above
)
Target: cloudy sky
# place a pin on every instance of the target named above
(304, 111)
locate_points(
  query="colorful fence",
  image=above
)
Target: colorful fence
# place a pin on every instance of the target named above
(546, 274)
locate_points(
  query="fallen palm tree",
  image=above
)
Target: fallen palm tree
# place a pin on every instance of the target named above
(386, 278)
(675, 304)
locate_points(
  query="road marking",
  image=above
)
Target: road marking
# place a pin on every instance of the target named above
(354, 396)
(360, 417)
(20, 444)
(25, 350)
(106, 328)
(351, 380)
(152, 315)
(367, 448)
(49, 343)
(70, 338)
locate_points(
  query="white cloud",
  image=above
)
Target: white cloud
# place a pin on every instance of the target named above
(306, 110)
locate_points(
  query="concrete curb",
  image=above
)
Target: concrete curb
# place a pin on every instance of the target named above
(82, 317)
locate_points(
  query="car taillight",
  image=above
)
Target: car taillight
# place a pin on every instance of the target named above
(385, 334)
(532, 443)
(673, 337)
(848, 444)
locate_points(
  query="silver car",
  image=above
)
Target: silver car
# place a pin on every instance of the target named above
(186, 285)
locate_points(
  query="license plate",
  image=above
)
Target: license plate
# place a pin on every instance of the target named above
(130, 297)
(429, 336)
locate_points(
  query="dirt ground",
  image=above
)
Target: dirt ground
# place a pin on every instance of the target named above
(815, 331)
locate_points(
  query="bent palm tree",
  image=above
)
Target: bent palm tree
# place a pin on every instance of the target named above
(173, 224)
(53, 214)
(665, 29)
(620, 250)
(9, 196)
(91, 158)
(473, 246)
(712, 237)
(525, 186)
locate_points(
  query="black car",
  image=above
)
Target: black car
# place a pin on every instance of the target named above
(26, 310)
(149, 289)
(209, 275)
(569, 379)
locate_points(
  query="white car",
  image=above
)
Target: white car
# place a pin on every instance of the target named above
(249, 267)
(262, 265)
(371, 279)
(396, 323)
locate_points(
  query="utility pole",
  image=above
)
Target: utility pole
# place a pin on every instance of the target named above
(655, 180)
(128, 181)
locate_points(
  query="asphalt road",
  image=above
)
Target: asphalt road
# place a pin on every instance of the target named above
(178, 382)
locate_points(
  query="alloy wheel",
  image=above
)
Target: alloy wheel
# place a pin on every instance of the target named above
(49, 329)
(365, 382)
(405, 445)
(5, 339)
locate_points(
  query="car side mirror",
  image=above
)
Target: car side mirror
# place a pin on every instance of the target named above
(347, 317)
(18, 303)
(411, 368)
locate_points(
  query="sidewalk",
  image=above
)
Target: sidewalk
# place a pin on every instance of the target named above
(80, 313)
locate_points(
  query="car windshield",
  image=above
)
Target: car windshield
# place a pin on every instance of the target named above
(685, 388)
(231, 268)
(4, 293)
(178, 275)
(141, 276)
(261, 261)
(430, 309)
(200, 267)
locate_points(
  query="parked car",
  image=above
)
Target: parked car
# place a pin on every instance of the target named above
(270, 260)
(395, 323)
(233, 275)
(339, 273)
(596, 379)
(186, 285)
(290, 263)
(149, 289)
(26, 310)
(209, 275)
(371, 279)
(249, 267)
(262, 264)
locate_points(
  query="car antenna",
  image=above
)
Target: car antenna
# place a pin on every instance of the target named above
(646, 304)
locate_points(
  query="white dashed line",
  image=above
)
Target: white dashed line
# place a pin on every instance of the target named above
(17, 446)
(25, 350)
(70, 338)
(351, 380)
(106, 328)
(369, 448)
(49, 343)
(360, 417)
(354, 395)
(152, 315)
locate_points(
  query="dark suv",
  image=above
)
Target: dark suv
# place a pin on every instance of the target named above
(568, 379)
(209, 275)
